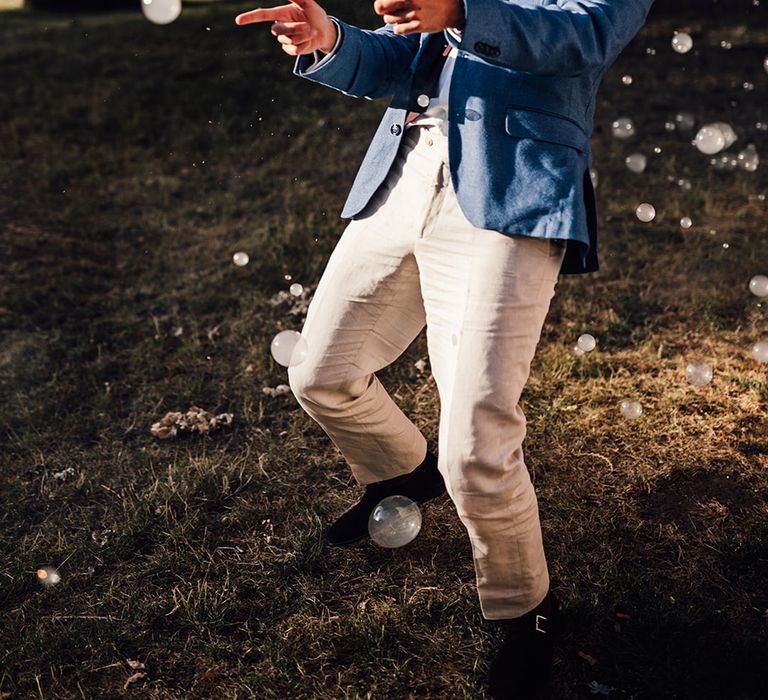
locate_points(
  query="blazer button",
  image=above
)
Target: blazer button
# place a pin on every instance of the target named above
(395, 129)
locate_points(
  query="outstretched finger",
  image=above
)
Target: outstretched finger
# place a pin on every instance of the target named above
(267, 14)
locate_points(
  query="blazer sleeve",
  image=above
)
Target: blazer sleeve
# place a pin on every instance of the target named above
(568, 38)
(366, 63)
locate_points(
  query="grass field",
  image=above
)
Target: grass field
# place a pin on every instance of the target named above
(134, 161)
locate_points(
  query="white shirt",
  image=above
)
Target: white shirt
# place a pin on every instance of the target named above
(437, 109)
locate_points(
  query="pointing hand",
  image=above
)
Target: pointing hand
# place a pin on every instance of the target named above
(301, 27)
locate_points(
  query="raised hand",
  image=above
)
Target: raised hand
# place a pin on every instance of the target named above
(300, 27)
(411, 16)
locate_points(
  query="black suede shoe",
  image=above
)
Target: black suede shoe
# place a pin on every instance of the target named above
(522, 667)
(421, 485)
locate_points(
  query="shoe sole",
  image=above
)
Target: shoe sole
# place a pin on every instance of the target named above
(365, 535)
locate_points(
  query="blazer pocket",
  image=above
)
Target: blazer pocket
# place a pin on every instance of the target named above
(527, 123)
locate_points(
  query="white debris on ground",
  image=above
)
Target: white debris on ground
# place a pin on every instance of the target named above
(195, 419)
(64, 474)
(298, 304)
(276, 391)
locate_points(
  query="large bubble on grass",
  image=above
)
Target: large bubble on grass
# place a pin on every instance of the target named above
(631, 409)
(698, 373)
(586, 342)
(394, 522)
(760, 351)
(289, 348)
(161, 11)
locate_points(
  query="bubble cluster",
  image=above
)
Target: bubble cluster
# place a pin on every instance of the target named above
(715, 137)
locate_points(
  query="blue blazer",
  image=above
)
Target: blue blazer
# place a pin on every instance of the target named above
(520, 110)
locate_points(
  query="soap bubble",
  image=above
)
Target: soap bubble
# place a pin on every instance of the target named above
(710, 140)
(765, 64)
(698, 373)
(758, 285)
(586, 342)
(748, 159)
(682, 42)
(715, 137)
(685, 121)
(636, 162)
(296, 289)
(645, 212)
(626, 79)
(760, 351)
(623, 128)
(685, 183)
(240, 259)
(594, 177)
(48, 576)
(686, 222)
(631, 409)
(161, 11)
(394, 522)
(289, 348)
(577, 351)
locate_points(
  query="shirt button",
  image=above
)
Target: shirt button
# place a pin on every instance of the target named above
(395, 129)
(422, 100)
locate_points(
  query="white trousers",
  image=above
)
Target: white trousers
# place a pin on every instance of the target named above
(411, 260)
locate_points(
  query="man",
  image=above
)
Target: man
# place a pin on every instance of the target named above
(472, 197)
